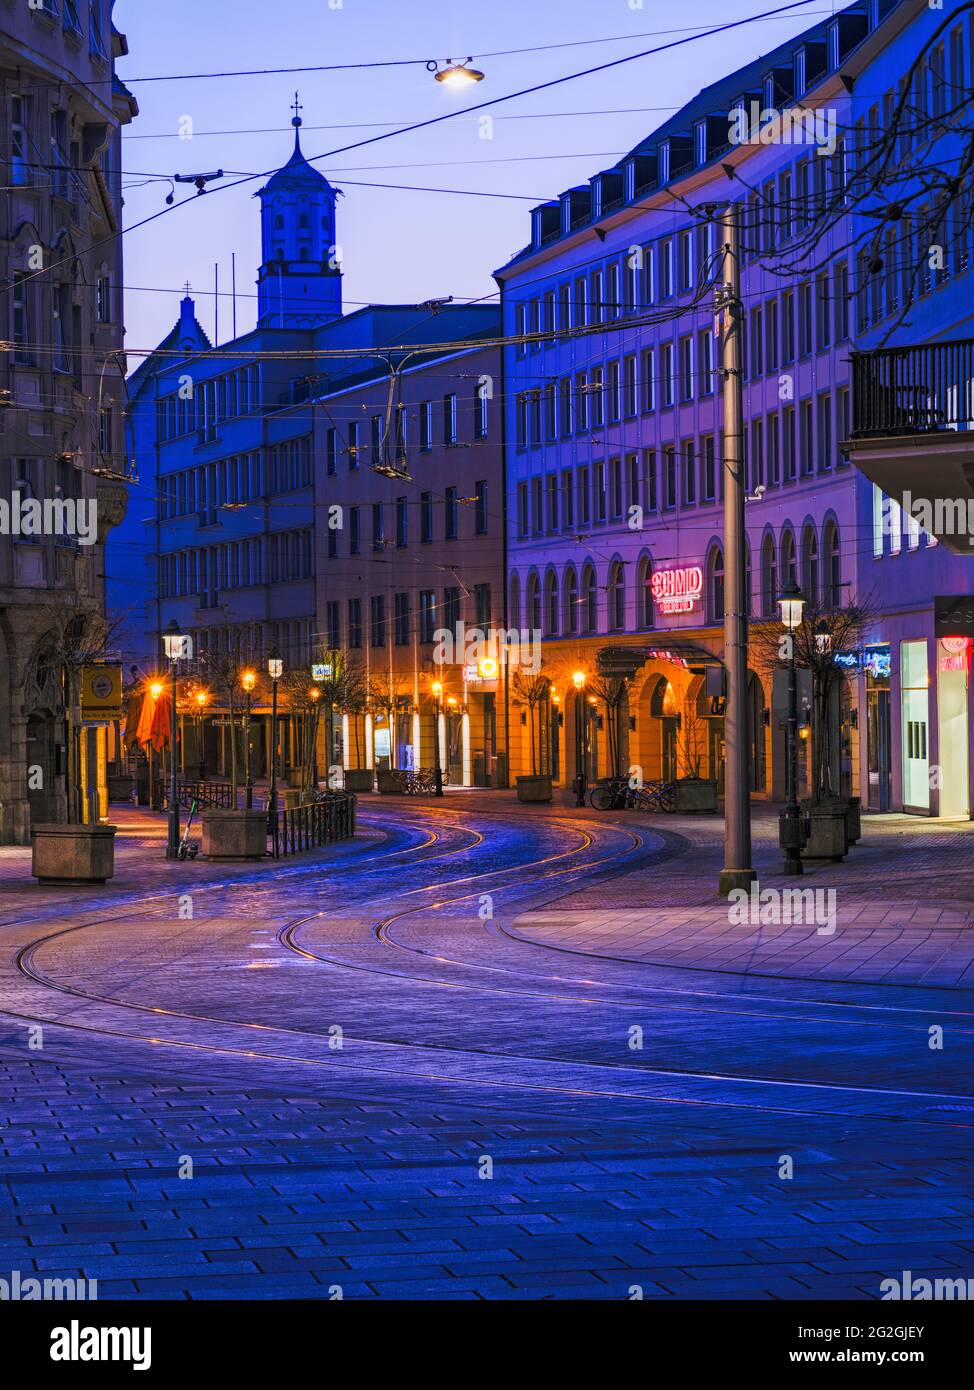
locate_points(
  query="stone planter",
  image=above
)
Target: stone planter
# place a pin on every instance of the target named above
(828, 830)
(73, 854)
(234, 834)
(358, 779)
(388, 782)
(853, 818)
(534, 788)
(696, 795)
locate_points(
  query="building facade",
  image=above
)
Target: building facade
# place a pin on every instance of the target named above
(62, 393)
(245, 450)
(614, 469)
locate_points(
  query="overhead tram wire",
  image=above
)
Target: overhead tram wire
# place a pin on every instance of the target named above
(442, 117)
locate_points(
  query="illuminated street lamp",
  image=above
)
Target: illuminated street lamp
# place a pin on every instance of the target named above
(578, 681)
(437, 689)
(456, 75)
(248, 680)
(202, 696)
(275, 669)
(791, 834)
(175, 644)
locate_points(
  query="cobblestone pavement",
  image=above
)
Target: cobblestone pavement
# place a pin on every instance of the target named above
(489, 1051)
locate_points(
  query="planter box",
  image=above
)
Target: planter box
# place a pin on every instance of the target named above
(696, 795)
(73, 854)
(853, 818)
(120, 786)
(828, 837)
(358, 779)
(294, 776)
(388, 782)
(234, 834)
(534, 788)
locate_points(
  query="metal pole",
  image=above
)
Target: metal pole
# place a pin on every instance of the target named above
(737, 871)
(791, 838)
(272, 799)
(249, 797)
(172, 843)
(580, 713)
(437, 769)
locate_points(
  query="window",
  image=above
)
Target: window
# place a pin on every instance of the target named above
(376, 439)
(514, 608)
(686, 369)
(715, 585)
(551, 501)
(427, 614)
(402, 521)
(584, 500)
(774, 458)
(331, 451)
(789, 566)
(615, 391)
(771, 335)
(646, 615)
(21, 317)
(378, 525)
(450, 514)
(840, 300)
(669, 476)
(705, 358)
(686, 260)
(480, 507)
(551, 411)
(630, 396)
(769, 578)
(551, 611)
(96, 42)
(103, 299)
(804, 319)
(788, 443)
(651, 483)
(534, 603)
(666, 268)
(567, 403)
(425, 518)
(567, 499)
(401, 620)
(571, 602)
(600, 493)
(537, 507)
(649, 381)
(806, 438)
(581, 402)
(590, 600)
(666, 373)
(450, 419)
(708, 467)
(788, 326)
(832, 574)
(809, 579)
(522, 509)
(824, 432)
(355, 622)
(615, 488)
(597, 392)
(482, 605)
(482, 411)
(823, 314)
(617, 597)
(757, 453)
(354, 531)
(689, 473)
(425, 426)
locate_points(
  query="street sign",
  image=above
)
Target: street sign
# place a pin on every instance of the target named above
(101, 691)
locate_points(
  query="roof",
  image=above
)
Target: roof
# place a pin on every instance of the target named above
(297, 174)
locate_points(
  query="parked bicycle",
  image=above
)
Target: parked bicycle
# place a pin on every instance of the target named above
(617, 794)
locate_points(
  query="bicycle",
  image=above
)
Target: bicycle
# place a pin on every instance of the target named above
(616, 794)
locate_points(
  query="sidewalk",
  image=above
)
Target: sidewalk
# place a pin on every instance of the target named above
(903, 900)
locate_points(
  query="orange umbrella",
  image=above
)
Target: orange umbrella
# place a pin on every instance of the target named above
(133, 713)
(160, 726)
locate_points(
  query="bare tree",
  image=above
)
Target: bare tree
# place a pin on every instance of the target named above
(225, 671)
(534, 692)
(388, 691)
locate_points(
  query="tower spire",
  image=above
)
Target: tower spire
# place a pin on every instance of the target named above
(296, 121)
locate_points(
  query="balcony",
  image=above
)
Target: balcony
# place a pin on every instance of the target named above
(913, 433)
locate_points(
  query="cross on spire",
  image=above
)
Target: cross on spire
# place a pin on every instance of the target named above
(296, 107)
(187, 287)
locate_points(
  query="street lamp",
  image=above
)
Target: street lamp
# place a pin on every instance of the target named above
(791, 834)
(456, 75)
(201, 698)
(578, 681)
(314, 695)
(437, 689)
(275, 669)
(155, 690)
(175, 644)
(248, 680)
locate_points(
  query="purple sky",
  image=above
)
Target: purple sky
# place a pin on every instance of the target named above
(397, 245)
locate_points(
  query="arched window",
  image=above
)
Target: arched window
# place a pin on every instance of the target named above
(715, 584)
(617, 597)
(534, 604)
(303, 221)
(789, 567)
(278, 223)
(644, 593)
(590, 600)
(571, 601)
(515, 613)
(810, 564)
(303, 253)
(832, 594)
(769, 577)
(551, 605)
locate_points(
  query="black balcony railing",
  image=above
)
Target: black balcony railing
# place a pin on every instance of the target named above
(913, 390)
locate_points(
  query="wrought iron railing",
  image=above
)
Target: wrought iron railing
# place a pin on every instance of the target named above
(204, 794)
(331, 816)
(913, 390)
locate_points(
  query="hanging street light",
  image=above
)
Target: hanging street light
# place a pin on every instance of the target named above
(455, 75)
(581, 714)
(176, 645)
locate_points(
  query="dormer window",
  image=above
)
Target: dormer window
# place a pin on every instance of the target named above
(700, 146)
(800, 73)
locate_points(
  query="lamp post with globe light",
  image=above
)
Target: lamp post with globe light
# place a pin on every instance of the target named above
(791, 834)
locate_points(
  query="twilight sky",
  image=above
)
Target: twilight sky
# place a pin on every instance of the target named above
(398, 245)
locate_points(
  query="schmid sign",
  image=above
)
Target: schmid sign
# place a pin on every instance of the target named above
(677, 591)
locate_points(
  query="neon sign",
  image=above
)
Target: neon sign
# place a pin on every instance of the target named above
(958, 653)
(677, 590)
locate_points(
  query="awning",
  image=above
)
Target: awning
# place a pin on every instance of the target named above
(626, 661)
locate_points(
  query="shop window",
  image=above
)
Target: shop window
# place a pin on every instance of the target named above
(915, 693)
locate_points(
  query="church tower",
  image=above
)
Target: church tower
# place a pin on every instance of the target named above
(299, 284)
